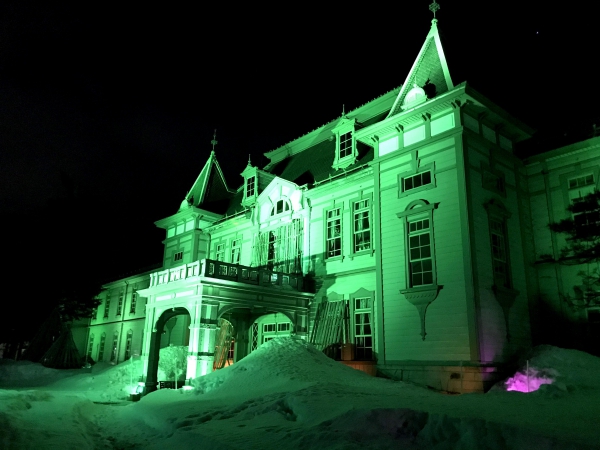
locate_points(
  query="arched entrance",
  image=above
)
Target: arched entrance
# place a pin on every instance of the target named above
(170, 334)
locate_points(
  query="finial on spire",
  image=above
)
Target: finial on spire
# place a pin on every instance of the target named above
(434, 7)
(249, 162)
(343, 109)
(214, 140)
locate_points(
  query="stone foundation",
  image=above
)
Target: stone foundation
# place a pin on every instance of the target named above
(452, 378)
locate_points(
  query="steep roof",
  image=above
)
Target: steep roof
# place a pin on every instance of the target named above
(430, 65)
(210, 191)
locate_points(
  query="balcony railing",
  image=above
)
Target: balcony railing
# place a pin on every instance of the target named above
(227, 271)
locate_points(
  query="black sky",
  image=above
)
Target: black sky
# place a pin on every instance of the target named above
(112, 109)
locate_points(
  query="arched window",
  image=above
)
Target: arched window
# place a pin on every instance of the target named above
(279, 207)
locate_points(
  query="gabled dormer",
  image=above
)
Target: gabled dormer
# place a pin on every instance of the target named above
(255, 181)
(250, 184)
(345, 144)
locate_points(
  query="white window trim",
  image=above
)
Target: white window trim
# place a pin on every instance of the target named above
(341, 232)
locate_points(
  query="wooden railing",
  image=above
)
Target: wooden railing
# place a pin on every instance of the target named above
(227, 271)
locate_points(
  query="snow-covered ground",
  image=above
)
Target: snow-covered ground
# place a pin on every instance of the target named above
(288, 395)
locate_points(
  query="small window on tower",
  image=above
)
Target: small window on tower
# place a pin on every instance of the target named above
(178, 256)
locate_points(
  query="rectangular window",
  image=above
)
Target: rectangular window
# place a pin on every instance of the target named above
(101, 349)
(362, 225)
(120, 304)
(416, 181)
(499, 253)
(236, 251)
(334, 233)
(269, 328)
(133, 302)
(90, 346)
(280, 250)
(283, 326)
(220, 252)
(345, 144)
(493, 182)
(363, 332)
(579, 188)
(106, 306)
(113, 353)
(128, 345)
(178, 256)
(419, 253)
(250, 182)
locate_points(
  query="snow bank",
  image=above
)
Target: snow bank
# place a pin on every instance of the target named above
(282, 362)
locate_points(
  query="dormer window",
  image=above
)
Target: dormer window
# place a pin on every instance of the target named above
(250, 187)
(345, 150)
(280, 206)
(345, 144)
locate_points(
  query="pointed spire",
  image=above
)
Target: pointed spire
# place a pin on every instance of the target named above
(214, 140)
(429, 70)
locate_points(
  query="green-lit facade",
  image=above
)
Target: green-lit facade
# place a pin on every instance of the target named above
(401, 237)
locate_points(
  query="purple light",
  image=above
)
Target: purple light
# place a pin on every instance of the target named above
(522, 383)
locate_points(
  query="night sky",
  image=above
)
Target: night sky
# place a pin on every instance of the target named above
(107, 113)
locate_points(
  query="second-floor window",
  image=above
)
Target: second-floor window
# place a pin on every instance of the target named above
(420, 256)
(106, 306)
(362, 225)
(334, 233)
(416, 181)
(236, 251)
(499, 252)
(220, 252)
(120, 304)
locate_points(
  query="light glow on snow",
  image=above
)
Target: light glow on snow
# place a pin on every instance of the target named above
(527, 382)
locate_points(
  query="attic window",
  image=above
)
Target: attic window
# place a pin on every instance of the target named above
(250, 182)
(280, 206)
(345, 144)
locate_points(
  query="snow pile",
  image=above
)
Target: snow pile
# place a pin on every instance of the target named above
(554, 370)
(287, 394)
(279, 363)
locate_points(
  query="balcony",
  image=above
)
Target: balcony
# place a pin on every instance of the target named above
(210, 268)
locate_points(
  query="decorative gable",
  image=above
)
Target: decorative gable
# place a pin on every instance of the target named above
(428, 77)
(280, 199)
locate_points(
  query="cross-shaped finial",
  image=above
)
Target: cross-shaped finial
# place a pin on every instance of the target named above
(214, 140)
(434, 7)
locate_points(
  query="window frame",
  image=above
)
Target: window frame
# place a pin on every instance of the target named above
(236, 245)
(178, 256)
(340, 237)
(363, 294)
(415, 211)
(353, 212)
(402, 192)
(497, 212)
(107, 306)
